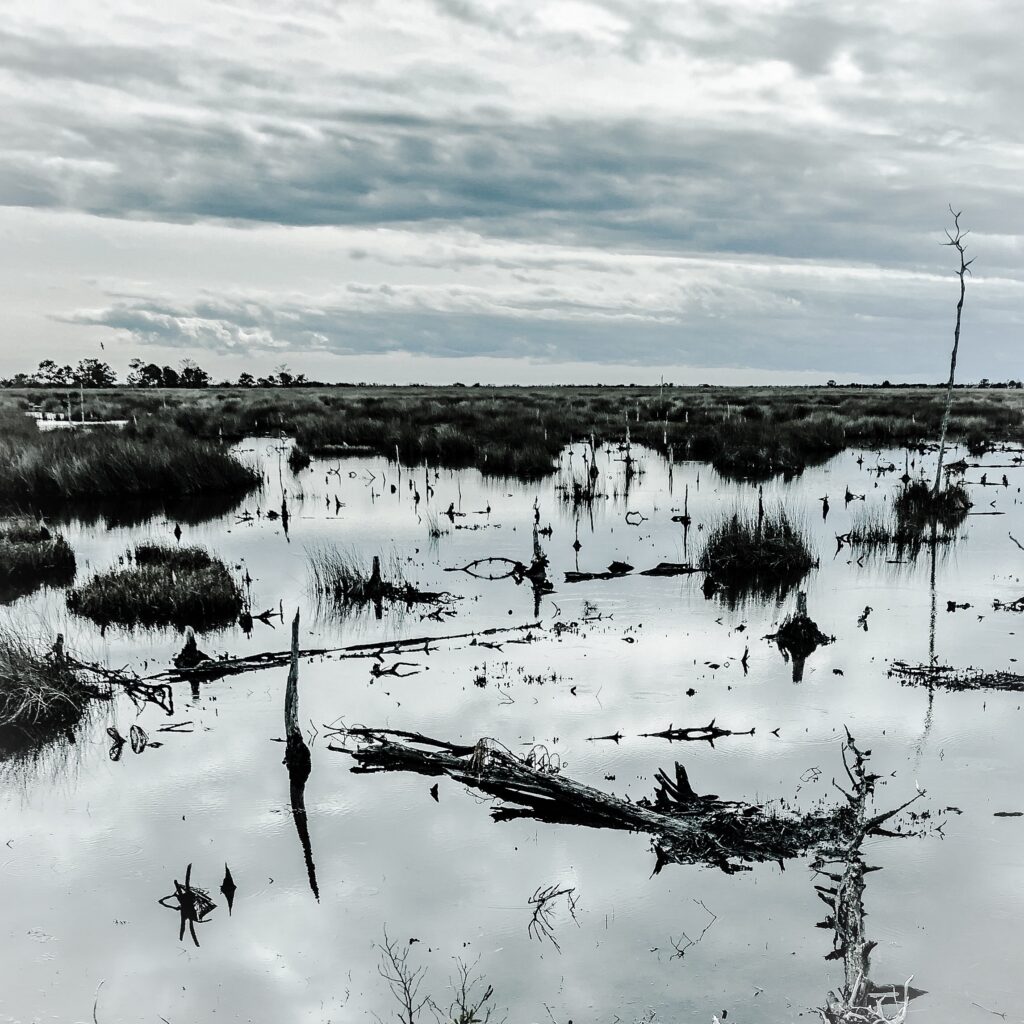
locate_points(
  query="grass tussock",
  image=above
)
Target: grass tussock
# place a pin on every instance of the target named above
(30, 558)
(81, 464)
(346, 577)
(40, 692)
(918, 510)
(749, 552)
(347, 582)
(298, 458)
(167, 586)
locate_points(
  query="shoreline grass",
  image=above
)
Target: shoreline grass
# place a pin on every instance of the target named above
(167, 586)
(61, 465)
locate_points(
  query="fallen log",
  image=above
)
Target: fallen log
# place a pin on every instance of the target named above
(686, 828)
(279, 659)
(671, 569)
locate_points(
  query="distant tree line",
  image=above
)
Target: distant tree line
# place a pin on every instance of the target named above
(93, 373)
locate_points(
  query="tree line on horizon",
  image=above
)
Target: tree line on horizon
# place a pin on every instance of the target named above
(94, 373)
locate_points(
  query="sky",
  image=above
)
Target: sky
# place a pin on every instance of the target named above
(507, 191)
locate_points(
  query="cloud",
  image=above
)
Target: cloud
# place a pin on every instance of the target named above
(737, 133)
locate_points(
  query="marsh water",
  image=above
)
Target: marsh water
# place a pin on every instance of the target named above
(90, 845)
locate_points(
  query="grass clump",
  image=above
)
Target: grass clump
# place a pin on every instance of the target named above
(760, 551)
(40, 691)
(167, 586)
(298, 458)
(918, 509)
(82, 464)
(344, 579)
(30, 558)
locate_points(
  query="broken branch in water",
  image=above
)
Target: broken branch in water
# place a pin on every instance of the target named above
(280, 659)
(686, 827)
(948, 678)
(541, 926)
(192, 903)
(709, 732)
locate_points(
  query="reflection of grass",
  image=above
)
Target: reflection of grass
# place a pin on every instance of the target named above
(168, 586)
(748, 553)
(31, 558)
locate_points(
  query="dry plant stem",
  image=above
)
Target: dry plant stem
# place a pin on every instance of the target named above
(956, 240)
(404, 981)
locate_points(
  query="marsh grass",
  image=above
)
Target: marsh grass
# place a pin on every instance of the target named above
(31, 558)
(40, 691)
(344, 576)
(344, 581)
(749, 553)
(298, 458)
(167, 586)
(519, 432)
(918, 512)
(82, 464)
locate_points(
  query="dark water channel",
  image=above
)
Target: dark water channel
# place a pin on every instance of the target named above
(90, 845)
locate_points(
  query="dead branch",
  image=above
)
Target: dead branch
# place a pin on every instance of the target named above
(686, 827)
(709, 732)
(948, 678)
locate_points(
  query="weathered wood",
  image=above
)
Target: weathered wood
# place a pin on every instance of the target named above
(686, 828)
(278, 659)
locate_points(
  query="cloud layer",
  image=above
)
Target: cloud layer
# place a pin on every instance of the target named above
(731, 184)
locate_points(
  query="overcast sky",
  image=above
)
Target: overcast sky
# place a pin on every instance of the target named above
(508, 191)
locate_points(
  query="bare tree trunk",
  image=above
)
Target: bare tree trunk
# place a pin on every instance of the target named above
(956, 241)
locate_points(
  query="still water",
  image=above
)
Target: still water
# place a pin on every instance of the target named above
(91, 845)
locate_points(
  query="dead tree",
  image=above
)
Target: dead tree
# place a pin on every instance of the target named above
(859, 1000)
(956, 240)
(686, 827)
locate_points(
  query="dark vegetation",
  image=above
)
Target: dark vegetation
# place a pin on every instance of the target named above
(343, 581)
(41, 694)
(31, 557)
(166, 586)
(41, 468)
(760, 552)
(519, 432)
(918, 507)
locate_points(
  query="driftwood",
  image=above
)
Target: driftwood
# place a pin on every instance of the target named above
(279, 659)
(618, 569)
(686, 828)
(671, 569)
(945, 677)
(709, 732)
